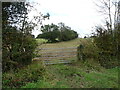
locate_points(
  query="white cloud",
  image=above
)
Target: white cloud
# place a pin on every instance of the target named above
(80, 15)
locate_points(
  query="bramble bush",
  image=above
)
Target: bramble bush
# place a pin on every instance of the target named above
(21, 77)
(87, 50)
(17, 51)
(108, 41)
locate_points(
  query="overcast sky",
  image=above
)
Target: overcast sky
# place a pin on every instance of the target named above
(80, 15)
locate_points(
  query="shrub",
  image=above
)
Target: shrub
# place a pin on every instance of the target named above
(107, 41)
(17, 51)
(87, 49)
(28, 74)
(18, 43)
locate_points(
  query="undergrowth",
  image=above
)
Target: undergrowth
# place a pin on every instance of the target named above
(21, 77)
(78, 75)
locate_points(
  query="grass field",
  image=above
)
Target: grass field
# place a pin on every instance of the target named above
(78, 74)
(66, 44)
(72, 43)
(41, 40)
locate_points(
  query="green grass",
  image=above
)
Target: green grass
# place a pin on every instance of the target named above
(28, 74)
(71, 43)
(39, 41)
(88, 74)
(78, 75)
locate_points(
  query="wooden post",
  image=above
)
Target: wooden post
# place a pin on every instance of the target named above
(80, 52)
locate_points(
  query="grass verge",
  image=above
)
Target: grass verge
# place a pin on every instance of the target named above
(78, 75)
(21, 77)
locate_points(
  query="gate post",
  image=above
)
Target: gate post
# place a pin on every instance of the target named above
(80, 54)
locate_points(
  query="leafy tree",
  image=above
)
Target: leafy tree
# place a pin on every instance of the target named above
(56, 33)
(18, 45)
(107, 39)
(49, 32)
(66, 33)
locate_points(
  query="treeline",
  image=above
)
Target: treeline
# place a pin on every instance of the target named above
(108, 42)
(102, 47)
(57, 33)
(18, 44)
(107, 38)
(105, 45)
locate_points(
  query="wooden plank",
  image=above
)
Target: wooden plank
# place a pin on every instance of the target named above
(57, 48)
(59, 55)
(51, 59)
(56, 55)
(57, 63)
(59, 52)
(42, 59)
(39, 58)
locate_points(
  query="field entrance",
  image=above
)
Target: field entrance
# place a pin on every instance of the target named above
(57, 55)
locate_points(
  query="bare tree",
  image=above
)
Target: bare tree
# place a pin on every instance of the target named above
(116, 13)
(109, 8)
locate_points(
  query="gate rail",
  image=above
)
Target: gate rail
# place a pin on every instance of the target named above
(57, 55)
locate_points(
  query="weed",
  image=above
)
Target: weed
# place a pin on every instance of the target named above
(19, 78)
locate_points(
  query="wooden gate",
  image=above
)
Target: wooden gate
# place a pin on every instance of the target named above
(57, 55)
